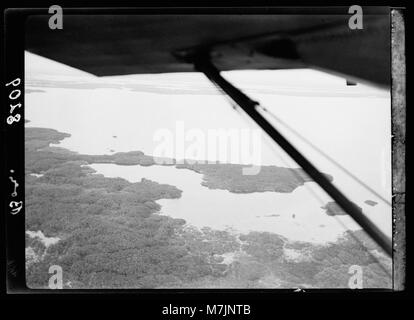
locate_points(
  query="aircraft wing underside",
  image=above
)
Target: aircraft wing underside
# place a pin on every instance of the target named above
(106, 45)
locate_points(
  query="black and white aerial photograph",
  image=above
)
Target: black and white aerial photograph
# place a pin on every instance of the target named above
(202, 150)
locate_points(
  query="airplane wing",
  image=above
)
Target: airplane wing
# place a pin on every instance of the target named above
(120, 44)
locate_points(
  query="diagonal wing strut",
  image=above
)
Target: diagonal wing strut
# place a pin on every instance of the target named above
(203, 64)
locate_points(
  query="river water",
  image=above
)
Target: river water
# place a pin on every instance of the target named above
(297, 215)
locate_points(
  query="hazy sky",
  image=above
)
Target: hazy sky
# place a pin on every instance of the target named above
(308, 80)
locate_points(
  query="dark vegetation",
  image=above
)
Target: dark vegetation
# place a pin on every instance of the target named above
(27, 90)
(183, 88)
(112, 237)
(217, 176)
(138, 87)
(333, 209)
(371, 203)
(230, 177)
